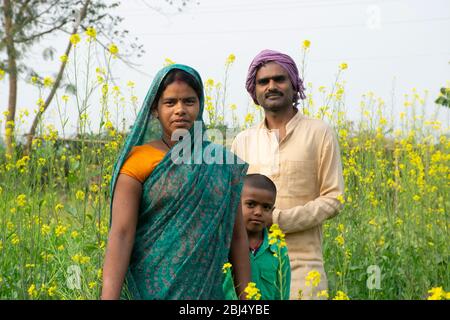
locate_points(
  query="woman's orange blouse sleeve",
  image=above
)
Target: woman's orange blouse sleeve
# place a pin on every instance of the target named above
(141, 161)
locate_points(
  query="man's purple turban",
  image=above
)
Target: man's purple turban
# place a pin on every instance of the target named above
(283, 60)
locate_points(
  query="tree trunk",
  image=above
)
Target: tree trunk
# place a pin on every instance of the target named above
(47, 102)
(12, 73)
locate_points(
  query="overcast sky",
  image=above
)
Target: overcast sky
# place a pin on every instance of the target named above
(390, 44)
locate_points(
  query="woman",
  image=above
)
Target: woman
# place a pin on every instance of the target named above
(173, 226)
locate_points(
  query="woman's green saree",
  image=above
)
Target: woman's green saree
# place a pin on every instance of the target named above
(187, 213)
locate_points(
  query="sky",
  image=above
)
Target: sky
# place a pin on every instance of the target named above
(390, 46)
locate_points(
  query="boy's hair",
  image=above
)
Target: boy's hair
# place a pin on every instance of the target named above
(260, 181)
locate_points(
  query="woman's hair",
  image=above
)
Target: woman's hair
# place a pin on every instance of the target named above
(177, 75)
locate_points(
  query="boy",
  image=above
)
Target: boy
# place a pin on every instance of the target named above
(269, 262)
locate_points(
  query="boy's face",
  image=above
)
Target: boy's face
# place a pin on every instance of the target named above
(257, 207)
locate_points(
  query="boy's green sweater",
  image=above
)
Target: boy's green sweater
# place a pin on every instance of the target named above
(271, 272)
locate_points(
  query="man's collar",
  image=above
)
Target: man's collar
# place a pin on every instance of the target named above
(289, 126)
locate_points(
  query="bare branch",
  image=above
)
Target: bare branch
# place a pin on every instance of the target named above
(41, 34)
(57, 81)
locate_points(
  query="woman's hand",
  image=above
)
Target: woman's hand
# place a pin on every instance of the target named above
(239, 255)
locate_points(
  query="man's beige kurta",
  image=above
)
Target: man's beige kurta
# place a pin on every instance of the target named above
(307, 171)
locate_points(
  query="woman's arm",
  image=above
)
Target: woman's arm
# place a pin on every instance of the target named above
(125, 209)
(239, 255)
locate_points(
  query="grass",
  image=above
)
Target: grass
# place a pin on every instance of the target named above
(389, 242)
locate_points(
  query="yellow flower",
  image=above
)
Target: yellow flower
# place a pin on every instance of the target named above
(94, 188)
(64, 58)
(15, 239)
(252, 291)
(113, 49)
(10, 226)
(2, 74)
(340, 240)
(416, 198)
(74, 39)
(46, 256)
(51, 291)
(21, 200)
(249, 118)
(22, 162)
(323, 294)
(340, 295)
(343, 66)
(306, 44)
(30, 265)
(276, 235)
(48, 81)
(60, 248)
(341, 198)
(59, 207)
(226, 266)
(65, 98)
(1, 244)
(74, 234)
(92, 285)
(79, 195)
(168, 62)
(60, 230)
(209, 83)
(79, 258)
(41, 162)
(313, 277)
(41, 104)
(91, 33)
(45, 229)
(130, 84)
(436, 293)
(76, 258)
(105, 89)
(32, 292)
(230, 59)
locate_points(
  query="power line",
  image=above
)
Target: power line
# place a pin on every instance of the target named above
(444, 19)
(272, 6)
(424, 55)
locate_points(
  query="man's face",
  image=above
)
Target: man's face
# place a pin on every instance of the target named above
(273, 87)
(257, 208)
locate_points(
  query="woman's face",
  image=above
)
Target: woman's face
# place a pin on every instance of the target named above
(178, 107)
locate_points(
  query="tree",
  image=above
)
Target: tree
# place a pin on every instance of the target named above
(444, 97)
(26, 22)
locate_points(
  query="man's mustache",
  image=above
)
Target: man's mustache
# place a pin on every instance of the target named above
(273, 93)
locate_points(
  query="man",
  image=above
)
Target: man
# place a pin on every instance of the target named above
(301, 155)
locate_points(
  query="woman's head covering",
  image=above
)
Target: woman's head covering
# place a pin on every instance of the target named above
(283, 60)
(146, 126)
